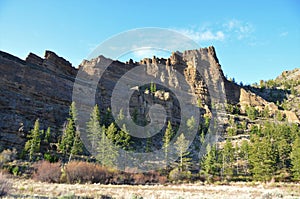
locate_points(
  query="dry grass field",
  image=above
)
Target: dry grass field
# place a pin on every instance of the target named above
(22, 188)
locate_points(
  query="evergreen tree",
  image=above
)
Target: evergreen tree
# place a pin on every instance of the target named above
(251, 112)
(191, 124)
(111, 132)
(181, 146)
(228, 158)
(209, 161)
(123, 138)
(34, 142)
(47, 135)
(244, 155)
(262, 158)
(166, 142)
(93, 127)
(70, 142)
(107, 152)
(108, 118)
(148, 145)
(295, 159)
(120, 117)
(77, 146)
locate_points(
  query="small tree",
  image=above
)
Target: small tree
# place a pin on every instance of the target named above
(166, 142)
(228, 158)
(209, 161)
(34, 142)
(251, 112)
(107, 152)
(181, 146)
(93, 127)
(47, 135)
(70, 142)
(77, 146)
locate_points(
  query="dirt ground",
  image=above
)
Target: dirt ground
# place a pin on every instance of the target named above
(22, 188)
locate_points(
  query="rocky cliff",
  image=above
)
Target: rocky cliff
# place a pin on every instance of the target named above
(42, 88)
(31, 89)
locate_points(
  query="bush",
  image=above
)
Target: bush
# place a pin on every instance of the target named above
(50, 158)
(176, 175)
(47, 172)
(85, 172)
(5, 185)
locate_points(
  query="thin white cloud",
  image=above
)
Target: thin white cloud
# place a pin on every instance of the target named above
(200, 36)
(238, 29)
(230, 30)
(284, 34)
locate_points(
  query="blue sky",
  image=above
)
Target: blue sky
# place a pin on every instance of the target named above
(254, 40)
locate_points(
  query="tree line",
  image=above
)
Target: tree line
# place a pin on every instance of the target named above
(272, 152)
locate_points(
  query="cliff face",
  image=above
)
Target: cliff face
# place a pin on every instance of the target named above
(31, 89)
(42, 88)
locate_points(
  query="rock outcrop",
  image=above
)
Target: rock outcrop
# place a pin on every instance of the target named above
(42, 88)
(31, 89)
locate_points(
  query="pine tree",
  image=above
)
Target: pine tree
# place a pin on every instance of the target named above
(34, 142)
(191, 124)
(77, 146)
(47, 135)
(262, 158)
(295, 159)
(228, 158)
(244, 155)
(209, 161)
(148, 145)
(107, 152)
(70, 142)
(181, 146)
(120, 117)
(108, 118)
(93, 127)
(123, 138)
(166, 142)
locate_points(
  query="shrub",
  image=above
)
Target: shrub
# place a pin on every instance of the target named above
(176, 175)
(50, 158)
(5, 185)
(85, 172)
(47, 172)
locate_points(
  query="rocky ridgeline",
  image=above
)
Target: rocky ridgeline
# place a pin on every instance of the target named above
(42, 88)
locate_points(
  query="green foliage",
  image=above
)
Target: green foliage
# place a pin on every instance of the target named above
(33, 143)
(181, 146)
(166, 141)
(47, 135)
(107, 151)
(50, 158)
(93, 127)
(177, 175)
(70, 142)
(232, 109)
(231, 131)
(148, 145)
(295, 159)
(209, 164)
(123, 138)
(279, 115)
(251, 112)
(152, 87)
(262, 158)
(228, 158)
